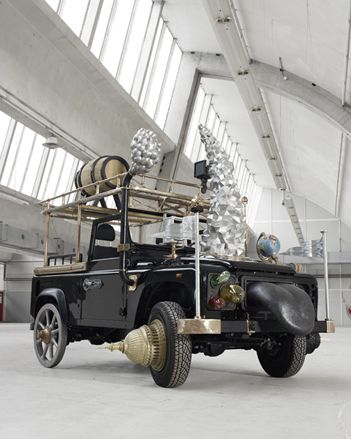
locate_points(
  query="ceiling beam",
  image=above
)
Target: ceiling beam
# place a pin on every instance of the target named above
(316, 98)
(229, 35)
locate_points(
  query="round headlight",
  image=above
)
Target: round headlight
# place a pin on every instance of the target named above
(232, 293)
(216, 302)
(220, 279)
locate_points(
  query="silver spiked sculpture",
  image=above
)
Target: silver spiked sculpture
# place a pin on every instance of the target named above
(226, 227)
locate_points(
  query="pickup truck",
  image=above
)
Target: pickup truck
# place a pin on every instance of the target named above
(143, 299)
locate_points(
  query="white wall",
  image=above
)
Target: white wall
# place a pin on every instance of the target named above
(18, 278)
(272, 217)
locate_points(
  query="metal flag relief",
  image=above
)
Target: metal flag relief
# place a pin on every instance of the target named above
(145, 151)
(226, 226)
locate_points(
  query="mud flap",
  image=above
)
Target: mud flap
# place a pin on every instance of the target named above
(290, 305)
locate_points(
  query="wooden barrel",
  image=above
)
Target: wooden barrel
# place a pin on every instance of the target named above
(99, 169)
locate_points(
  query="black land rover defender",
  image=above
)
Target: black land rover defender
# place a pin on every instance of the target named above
(142, 299)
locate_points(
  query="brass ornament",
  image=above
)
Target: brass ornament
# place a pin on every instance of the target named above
(145, 345)
(330, 326)
(174, 247)
(133, 287)
(45, 335)
(199, 326)
(232, 293)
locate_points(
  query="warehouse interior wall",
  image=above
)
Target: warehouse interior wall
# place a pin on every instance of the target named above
(272, 218)
(17, 286)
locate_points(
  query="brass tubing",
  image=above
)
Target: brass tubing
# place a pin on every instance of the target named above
(79, 189)
(125, 228)
(326, 277)
(140, 192)
(168, 180)
(83, 200)
(79, 222)
(197, 267)
(46, 240)
(118, 176)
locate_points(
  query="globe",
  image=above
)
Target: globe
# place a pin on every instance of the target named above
(267, 247)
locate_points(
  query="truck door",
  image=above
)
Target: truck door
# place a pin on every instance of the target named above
(102, 288)
(102, 297)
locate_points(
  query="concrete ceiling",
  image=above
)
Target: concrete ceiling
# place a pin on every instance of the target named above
(190, 24)
(311, 37)
(310, 148)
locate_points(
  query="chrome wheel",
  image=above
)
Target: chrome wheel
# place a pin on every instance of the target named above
(50, 336)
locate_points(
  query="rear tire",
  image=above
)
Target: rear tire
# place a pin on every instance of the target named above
(50, 336)
(178, 348)
(286, 358)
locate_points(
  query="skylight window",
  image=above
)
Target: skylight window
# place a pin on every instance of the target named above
(133, 42)
(29, 167)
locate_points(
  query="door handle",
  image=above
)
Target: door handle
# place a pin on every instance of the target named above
(92, 284)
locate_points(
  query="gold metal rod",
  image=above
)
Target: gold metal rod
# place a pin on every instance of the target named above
(168, 180)
(79, 189)
(140, 192)
(118, 177)
(79, 222)
(46, 240)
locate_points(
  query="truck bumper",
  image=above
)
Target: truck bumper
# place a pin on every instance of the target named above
(216, 326)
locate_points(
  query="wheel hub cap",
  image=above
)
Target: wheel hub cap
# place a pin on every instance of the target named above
(45, 335)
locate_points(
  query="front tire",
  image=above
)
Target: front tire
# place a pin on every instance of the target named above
(178, 348)
(50, 336)
(286, 358)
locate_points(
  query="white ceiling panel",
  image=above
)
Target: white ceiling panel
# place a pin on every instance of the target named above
(189, 23)
(310, 147)
(229, 105)
(309, 35)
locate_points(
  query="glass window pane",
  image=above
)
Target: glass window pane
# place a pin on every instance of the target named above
(101, 27)
(53, 3)
(11, 158)
(241, 173)
(4, 126)
(73, 13)
(22, 158)
(224, 140)
(216, 126)
(221, 131)
(115, 40)
(32, 169)
(158, 73)
(46, 174)
(165, 99)
(55, 173)
(203, 117)
(211, 118)
(89, 21)
(228, 146)
(64, 177)
(151, 62)
(236, 159)
(237, 167)
(134, 44)
(193, 126)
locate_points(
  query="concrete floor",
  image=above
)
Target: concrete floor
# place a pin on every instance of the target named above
(97, 394)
